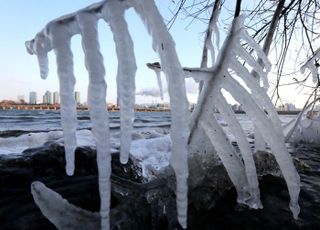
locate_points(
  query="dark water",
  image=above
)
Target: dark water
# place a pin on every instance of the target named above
(39, 120)
(227, 214)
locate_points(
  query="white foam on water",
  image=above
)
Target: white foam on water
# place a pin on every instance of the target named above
(31, 140)
(25, 141)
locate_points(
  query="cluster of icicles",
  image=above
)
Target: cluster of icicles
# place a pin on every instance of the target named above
(57, 36)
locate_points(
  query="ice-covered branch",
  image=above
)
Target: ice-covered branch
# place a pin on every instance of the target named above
(246, 152)
(255, 103)
(312, 66)
(60, 212)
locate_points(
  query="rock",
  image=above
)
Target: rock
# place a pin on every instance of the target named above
(46, 164)
(136, 204)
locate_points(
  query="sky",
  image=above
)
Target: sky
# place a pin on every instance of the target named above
(19, 72)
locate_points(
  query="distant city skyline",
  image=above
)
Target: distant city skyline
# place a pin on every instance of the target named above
(48, 97)
(54, 98)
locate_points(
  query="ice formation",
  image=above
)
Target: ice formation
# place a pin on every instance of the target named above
(305, 127)
(310, 64)
(113, 13)
(97, 106)
(164, 45)
(60, 212)
(257, 105)
(57, 36)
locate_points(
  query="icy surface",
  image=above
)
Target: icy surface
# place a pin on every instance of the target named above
(32, 140)
(25, 141)
(152, 155)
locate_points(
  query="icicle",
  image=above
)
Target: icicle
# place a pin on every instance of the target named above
(97, 108)
(113, 13)
(274, 139)
(164, 45)
(244, 35)
(40, 46)
(245, 150)
(157, 69)
(217, 33)
(205, 119)
(261, 98)
(311, 66)
(210, 47)
(240, 51)
(158, 73)
(60, 35)
(259, 142)
(230, 160)
(60, 212)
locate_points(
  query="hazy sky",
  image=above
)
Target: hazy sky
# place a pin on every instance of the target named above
(19, 72)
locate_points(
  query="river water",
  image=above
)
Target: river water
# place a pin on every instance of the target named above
(20, 130)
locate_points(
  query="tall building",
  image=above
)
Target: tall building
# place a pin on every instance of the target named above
(56, 98)
(77, 97)
(47, 97)
(33, 98)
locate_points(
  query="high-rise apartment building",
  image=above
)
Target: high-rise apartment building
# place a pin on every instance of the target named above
(47, 97)
(56, 98)
(77, 97)
(33, 98)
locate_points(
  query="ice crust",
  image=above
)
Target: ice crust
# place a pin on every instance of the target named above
(57, 36)
(255, 103)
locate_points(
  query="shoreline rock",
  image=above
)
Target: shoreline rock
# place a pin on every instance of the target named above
(135, 203)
